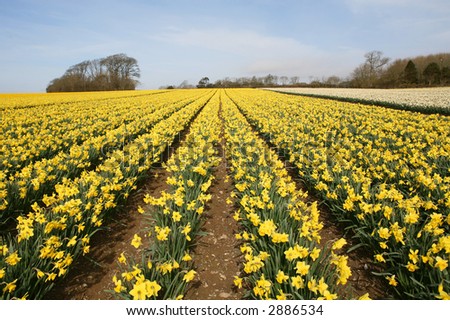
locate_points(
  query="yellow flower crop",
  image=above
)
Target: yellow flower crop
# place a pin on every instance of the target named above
(386, 171)
(69, 159)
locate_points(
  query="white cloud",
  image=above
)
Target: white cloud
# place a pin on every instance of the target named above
(233, 41)
(257, 54)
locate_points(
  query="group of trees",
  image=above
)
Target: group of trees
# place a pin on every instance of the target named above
(115, 72)
(242, 82)
(120, 72)
(248, 82)
(423, 71)
(377, 71)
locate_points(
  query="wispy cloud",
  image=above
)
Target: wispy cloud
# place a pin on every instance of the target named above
(236, 41)
(262, 54)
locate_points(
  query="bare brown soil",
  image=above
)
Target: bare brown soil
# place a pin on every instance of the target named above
(217, 256)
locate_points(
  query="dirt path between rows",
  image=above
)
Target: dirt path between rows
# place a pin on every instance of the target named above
(217, 257)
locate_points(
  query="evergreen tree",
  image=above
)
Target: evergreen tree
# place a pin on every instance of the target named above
(410, 74)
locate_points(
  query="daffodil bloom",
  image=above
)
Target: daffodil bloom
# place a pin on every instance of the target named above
(186, 257)
(118, 285)
(122, 259)
(39, 274)
(442, 294)
(280, 237)
(281, 295)
(314, 254)
(297, 282)
(189, 276)
(200, 210)
(414, 256)
(3, 250)
(364, 297)
(237, 282)
(263, 255)
(384, 233)
(186, 231)
(302, 268)
(281, 277)
(392, 280)
(10, 287)
(139, 291)
(339, 244)
(2, 273)
(441, 264)
(253, 265)
(176, 216)
(140, 210)
(383, 245)
(137, 241)
(165, 268)
(179, 201)
(262, 288)
(12, 259)
(72, 241)
(327, 295)
(291, 254)
(312, 285)
(162, 233)
(411, 267)
(50, 276)
(322, 286)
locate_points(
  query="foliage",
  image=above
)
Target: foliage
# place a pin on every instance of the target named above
(116, 72)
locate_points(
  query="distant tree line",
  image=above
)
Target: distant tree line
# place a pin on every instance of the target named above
(377, 71)
(115, 72)
(241, 82)
(422, 71)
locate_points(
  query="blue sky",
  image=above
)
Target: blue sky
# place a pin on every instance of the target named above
(179, 40)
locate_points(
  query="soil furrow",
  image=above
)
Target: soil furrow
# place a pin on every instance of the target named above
(217, 255)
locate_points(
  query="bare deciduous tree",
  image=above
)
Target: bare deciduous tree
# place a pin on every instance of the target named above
(116, 72)
(368, 73)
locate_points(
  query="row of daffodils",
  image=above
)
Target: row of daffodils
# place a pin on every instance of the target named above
(384, 173)
(165, 267)
(30, 134)
(58, 229)
(128, 119)
(280, 231)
